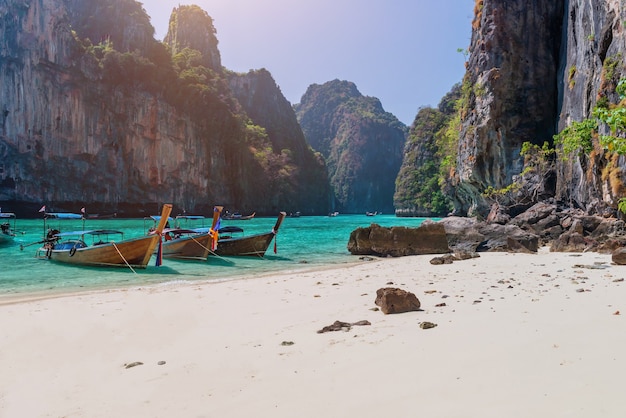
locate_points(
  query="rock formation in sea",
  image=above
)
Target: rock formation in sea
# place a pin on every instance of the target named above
(94, 111)
(361, 142)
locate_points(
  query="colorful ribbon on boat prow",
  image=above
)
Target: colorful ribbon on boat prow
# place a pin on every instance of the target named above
(159, 255)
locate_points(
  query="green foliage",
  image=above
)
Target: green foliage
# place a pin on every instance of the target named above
(537, 153)
(577, 138)
(570, 76)
(615, 119)
(621, 205)
(621, 88)
(493, 193)
(610, 66)
(447, 141)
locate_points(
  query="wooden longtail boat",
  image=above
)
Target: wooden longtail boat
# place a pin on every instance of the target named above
(7, 232)
(237, 216)
(253, 245)
(134, 252)
(190, 244)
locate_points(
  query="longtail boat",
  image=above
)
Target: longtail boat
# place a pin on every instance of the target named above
(190, 243)
(237, 216)
(252, 245)
(135, 252)
(7, 232)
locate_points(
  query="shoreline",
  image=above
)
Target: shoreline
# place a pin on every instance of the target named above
(519, 335)
(25, 297)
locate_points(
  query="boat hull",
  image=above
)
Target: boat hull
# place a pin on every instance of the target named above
(134, 252)
(195, 247)
(6, 238)
(254, 245)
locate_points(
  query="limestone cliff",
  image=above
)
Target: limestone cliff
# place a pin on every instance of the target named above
(510, 93)
(592, 62)
(534, 69)
(95, 112)
(418, 192)
(301, 179)
(361, 142)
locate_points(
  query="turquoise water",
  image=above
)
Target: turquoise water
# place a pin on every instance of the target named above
(304, 242)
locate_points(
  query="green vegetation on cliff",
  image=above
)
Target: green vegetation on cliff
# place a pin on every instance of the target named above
(361, 142)
(430, 155)
(161, 118)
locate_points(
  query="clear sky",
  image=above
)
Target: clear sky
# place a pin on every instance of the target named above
(404, 52)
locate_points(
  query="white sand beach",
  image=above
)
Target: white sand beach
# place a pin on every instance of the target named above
(520, 335)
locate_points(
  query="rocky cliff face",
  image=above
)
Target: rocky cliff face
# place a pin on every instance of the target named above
(93, 112)
(302, 180)
(361, 142)
(510, 93)
(592, 62)
(535, 68)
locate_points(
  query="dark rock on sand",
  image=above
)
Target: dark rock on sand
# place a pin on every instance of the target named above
(393, 300)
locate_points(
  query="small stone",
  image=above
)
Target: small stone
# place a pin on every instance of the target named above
(133, 364)
(427, 325)
(287, 343)
(161, 363)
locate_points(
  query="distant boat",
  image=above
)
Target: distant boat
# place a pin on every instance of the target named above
(252, 245)
(371, 213)
(189, 243)
(294, 214)
(333, 214)
(237, 216)
(134, 252)
(7, 232)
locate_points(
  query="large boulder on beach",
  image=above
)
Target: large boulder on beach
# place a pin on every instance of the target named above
(393, 300)
(619, 256)
(570, 242)
(428, 238)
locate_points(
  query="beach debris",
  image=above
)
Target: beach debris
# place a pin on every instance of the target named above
(618, 280)
(287, 343)
(342, 326)
(133, 364)
(161, 363)
(430, 291)
(439, 305)
(427, 325)
(594, 266)
(394, 300)
(616, 313)
(375, 309)
(366, 258)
